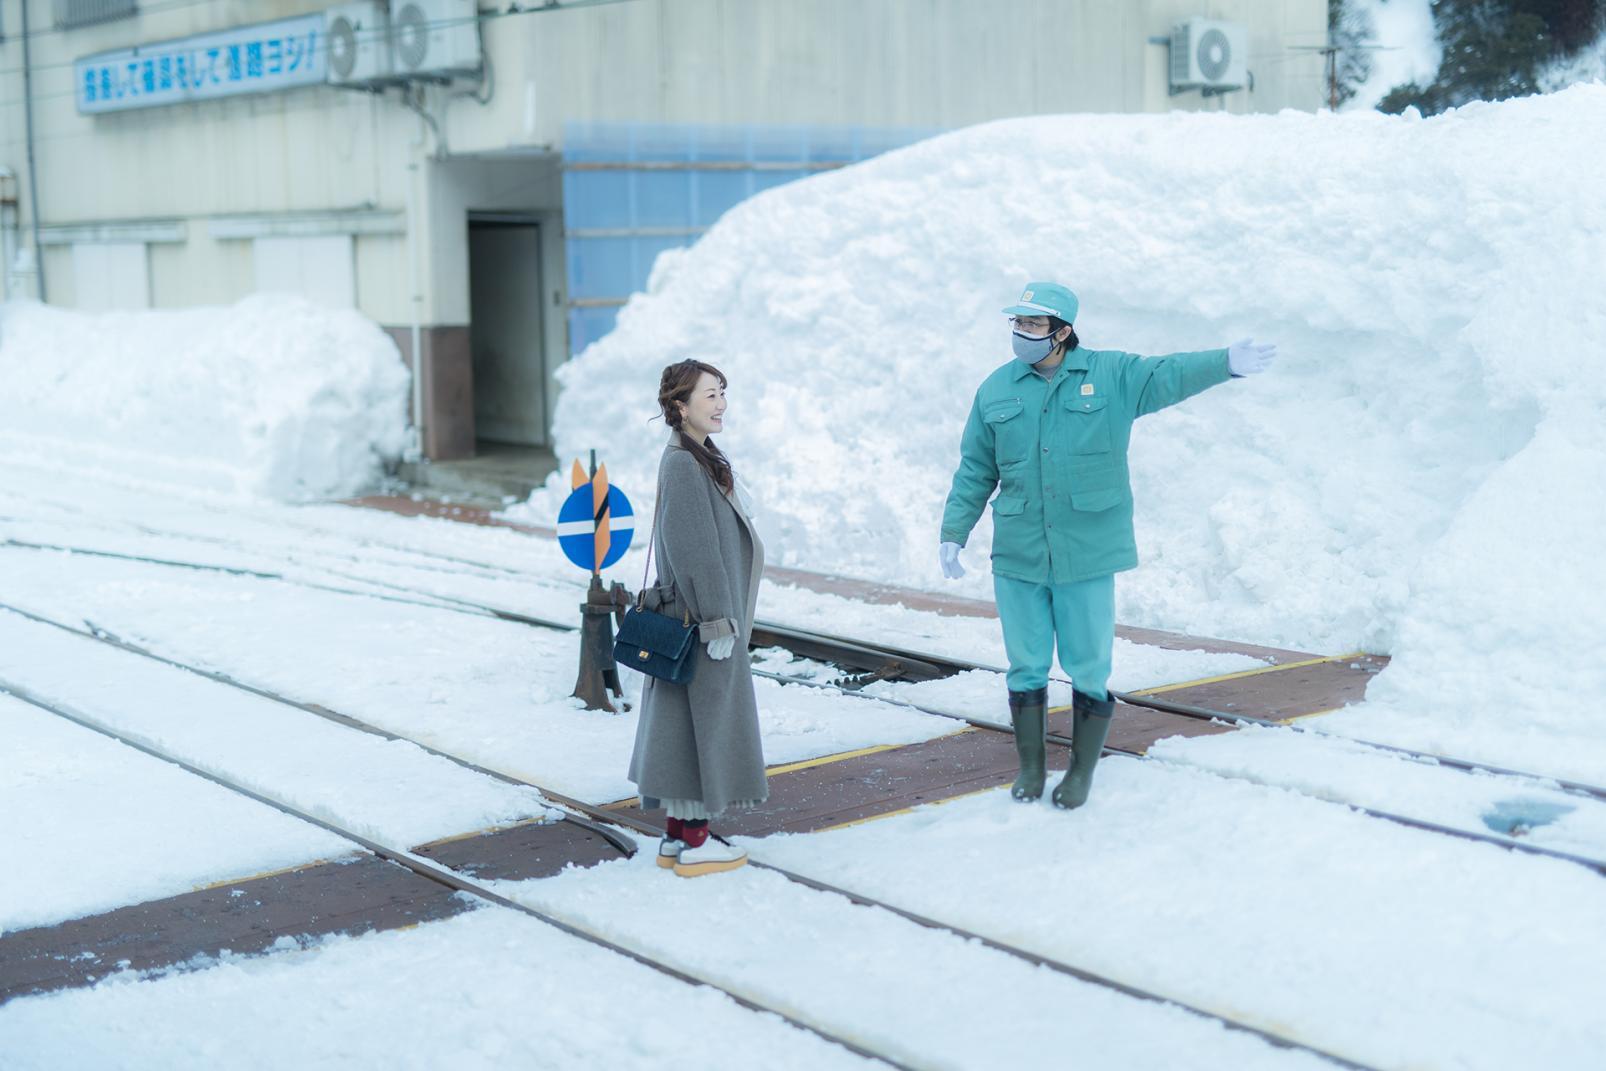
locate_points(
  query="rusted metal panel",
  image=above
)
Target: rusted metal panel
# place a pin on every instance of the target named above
(1285, 693)
(863, 786)
(522, 852)
(353, 895)
(1137, 728)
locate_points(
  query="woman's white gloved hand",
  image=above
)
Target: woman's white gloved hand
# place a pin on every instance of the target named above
(720, 649)
(1244, 358)
(948, 554)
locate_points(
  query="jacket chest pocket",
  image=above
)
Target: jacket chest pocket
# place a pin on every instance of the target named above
(1011, 436)
(1085, 425)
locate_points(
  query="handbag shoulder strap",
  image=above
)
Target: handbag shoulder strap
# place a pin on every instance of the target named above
(646, 569)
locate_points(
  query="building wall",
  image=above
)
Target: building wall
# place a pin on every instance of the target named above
(201, 183)
(897, 63)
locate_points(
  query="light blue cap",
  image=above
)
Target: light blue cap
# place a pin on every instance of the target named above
(1045, 299)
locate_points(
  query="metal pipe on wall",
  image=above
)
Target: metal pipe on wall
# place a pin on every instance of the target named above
(33, 171)
(8, 228)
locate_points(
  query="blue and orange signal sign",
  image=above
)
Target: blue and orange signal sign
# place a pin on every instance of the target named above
(596, 521)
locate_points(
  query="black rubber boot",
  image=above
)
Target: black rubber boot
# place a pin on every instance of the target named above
(1026, 712)
(1090, 724)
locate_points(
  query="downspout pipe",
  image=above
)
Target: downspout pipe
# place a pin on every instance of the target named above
(417, 205)
(33, 170)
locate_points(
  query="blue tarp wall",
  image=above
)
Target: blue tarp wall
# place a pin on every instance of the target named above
(633, 190)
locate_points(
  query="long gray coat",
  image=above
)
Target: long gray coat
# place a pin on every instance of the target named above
(699, 742)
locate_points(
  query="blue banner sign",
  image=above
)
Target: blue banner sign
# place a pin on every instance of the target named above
(246, 59)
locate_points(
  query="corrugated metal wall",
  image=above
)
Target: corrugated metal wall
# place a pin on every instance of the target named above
(633, 190)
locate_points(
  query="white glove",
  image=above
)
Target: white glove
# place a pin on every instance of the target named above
(720, 649)
(1244, 358)
(948, 554)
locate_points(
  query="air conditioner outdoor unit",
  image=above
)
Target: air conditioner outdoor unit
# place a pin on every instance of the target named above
(434, 37)
(358, 39)
(1209, 55)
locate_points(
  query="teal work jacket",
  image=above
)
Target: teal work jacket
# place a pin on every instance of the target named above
(1056, 451)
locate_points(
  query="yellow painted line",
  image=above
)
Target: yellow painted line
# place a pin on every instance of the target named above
(791, 767)
(908, 810)
(1247, 673)
(808, 764)
(1313, 714)
(541, 821)
(264, 875)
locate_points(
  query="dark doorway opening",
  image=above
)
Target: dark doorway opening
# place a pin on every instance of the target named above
(507, 336)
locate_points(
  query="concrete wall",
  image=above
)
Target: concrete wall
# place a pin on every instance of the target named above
(903, 63)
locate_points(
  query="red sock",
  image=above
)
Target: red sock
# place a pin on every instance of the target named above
(695, 835)
(676, 829)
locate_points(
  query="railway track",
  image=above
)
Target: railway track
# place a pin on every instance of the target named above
(866, 661)
(445, 876)
(592, 817)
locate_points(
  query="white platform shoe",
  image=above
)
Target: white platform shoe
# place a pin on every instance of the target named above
(710, 857)
(669, 850)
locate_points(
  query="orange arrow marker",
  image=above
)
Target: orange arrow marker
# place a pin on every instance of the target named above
(599, 511)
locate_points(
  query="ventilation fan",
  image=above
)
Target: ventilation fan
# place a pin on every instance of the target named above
(357, 36)
(1209, 55)
(435, 37)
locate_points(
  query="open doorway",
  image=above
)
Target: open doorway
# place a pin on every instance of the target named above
(507, 335)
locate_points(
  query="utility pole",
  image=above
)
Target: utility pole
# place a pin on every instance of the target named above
(1330, 53)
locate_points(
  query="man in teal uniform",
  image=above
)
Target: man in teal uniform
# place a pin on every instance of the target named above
(1050, 431)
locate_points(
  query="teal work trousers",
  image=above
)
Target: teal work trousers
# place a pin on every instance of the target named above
(1079, 616)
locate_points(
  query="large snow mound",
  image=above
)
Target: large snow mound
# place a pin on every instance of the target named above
(273, 397)
(1420, 472)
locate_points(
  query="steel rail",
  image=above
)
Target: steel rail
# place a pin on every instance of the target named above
(861, 653)
(600, 816)
(435, 872)
(1509, 843)
(880, 660)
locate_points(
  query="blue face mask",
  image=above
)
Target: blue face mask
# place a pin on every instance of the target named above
(1029, 349)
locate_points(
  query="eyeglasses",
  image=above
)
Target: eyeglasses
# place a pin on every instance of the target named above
(1037, 326)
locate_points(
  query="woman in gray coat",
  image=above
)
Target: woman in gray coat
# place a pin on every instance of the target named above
(697, 747)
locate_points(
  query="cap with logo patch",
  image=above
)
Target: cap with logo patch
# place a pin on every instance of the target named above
(1045, 299)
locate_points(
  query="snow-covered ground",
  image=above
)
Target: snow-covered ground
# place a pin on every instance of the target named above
(489, 989)
(1201, 867)
(1418, 476)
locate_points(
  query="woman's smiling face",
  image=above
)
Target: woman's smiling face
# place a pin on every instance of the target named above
(703, 414)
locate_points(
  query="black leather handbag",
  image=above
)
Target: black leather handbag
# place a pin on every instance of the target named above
(653, 643)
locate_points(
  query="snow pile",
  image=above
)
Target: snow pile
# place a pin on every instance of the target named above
(1420, 473)
(273, 397)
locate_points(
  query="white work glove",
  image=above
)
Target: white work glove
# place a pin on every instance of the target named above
(1244, 358)
(948, 554)
(720, 649)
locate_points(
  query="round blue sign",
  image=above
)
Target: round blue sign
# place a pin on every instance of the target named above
(577, 528)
